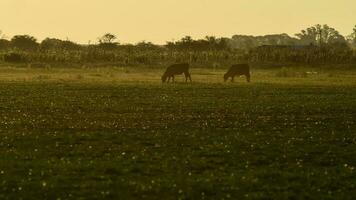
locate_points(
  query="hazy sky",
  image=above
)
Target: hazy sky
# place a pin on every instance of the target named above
(164, 20)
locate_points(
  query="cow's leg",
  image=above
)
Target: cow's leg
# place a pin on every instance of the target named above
(173, 79)
(169, 79)
(232, 79)
(190, 77)
(187, 76)
(248, 77)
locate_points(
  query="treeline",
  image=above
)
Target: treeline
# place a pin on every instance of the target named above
(315, 45)
(319, 44)
(26, 49)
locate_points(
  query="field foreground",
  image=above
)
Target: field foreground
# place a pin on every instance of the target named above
(264, 140)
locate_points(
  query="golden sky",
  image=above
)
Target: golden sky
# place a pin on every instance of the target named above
(166, 20)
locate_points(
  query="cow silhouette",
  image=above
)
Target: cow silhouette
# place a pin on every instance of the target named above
(238, 70)
(176, 69)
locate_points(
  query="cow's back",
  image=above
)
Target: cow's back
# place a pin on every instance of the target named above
(240, 69)
(178, 68)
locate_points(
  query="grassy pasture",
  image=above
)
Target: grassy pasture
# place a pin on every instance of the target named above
(118, 133)
(131, 75)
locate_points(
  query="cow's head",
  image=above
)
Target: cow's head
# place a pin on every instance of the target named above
(226, 77)
(164, 78)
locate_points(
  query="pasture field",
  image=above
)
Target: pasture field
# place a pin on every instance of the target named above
(117, 133)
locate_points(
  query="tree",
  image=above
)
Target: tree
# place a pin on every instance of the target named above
(246, 42)
(186, 43)
(309, 35)
(243, 42)
(212, 41)
(107, 41)
(330, 35)
(209, 43)
(69, 45)
(24, 42)
(352, 38)
(107, 38)
(143, 45)
(187, 40)
(222, 44)
(50, 44)
(321, 35)
(57, 44)
(4, 44)
(171, 45)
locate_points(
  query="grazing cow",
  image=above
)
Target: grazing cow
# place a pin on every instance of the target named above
(177, 69)
(238, 70)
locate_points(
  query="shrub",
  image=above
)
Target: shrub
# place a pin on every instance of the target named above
(14, 57)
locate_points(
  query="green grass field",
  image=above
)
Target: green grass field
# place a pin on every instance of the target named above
(117, 133)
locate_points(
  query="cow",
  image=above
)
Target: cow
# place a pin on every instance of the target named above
(177, 69)
(238, 70)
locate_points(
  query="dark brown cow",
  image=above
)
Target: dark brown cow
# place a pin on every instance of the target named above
(177, 69)
(238, 70)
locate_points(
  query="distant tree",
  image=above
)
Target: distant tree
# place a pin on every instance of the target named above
(187, 40)
(50, 44)
(279, 39)
(24, 42)
(246, 42)
(222, 44)
(212, 42)
(352, 38)
(209, 43)
(185, 44)
(4, 44)
(107, 38)
(170, 45)
(330, 35)
(69, 45)
(321, 35)
(309, 35)
(57, 44)
(107, 41)
(143, 45)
